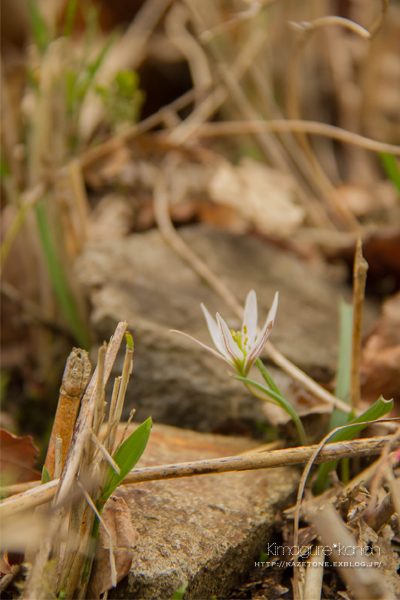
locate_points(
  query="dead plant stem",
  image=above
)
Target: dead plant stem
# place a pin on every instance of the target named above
(245, 462)
(359, 279)
(84, 422)
(292, 125)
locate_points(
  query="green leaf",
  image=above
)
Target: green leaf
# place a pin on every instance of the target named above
(129, 340)
(180, 592)
(391, 167)
(4, 168)
(280, 401)
(381, 408)
(70, 17)
(126, 457)
(40, 30)
(342, 389)
(46, 477)
(58, 278)
(267, 377)
(127, 82)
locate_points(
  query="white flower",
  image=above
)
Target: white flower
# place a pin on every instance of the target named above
(239, 349)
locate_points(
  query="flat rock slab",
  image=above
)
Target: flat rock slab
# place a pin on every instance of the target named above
(141, 279)
(205, 530)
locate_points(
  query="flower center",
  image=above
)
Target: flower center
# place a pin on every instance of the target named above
(241, 340)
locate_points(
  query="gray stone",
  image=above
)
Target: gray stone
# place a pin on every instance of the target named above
(141, 279)
(205, 530)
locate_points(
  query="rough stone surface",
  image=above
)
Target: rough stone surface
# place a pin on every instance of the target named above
(205, 530)
(141, 279)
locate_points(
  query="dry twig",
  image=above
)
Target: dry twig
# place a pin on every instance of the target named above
(245, 462)
(365, 583)
(75, 379)
(292, 125)
(359, 279)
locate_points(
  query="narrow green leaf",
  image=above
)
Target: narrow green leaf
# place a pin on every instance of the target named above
(96, 64)
(126, 457)
(180, 592)
(46, 477)
(267, 377)
(129, 340)
(342, 389)
(391, 167)
(58, 279)
(70, 17)
(40, 30)
(280, 401)
(378, 410)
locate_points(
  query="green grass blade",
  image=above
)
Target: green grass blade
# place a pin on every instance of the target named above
(280, 401)
(70, 17)
(46, 477)
(378, 410)
(39, 28)
(126, 457)
(342, 389)
(58, 279)
(180, 592)
(267, 377)
(392, 170)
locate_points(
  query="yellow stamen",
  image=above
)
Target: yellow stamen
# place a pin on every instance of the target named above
(234, 335)
(245, 329)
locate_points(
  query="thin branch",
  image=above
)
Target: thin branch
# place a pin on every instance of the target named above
(108, 147)
(106, 455)
(375, 27)
(255, 461)
(363, 582)
(293, 107)
(245, 462)
(284, 125)
(359, 279)
(111, 551)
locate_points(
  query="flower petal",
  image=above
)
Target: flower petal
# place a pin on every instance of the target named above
(250, 318)
(231, 349)
(217, 354)
(213, 329)
(263, 337)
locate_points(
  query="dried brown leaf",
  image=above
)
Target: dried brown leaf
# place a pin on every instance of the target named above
(380, 360)
(18, 457)
(117, 518)
(264, 197)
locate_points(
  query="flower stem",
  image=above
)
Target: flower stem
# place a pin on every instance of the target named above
(259, 395)
(275, 398)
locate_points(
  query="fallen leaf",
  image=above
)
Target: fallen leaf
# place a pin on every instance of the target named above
(18, 457)
(117, 518)
(265, 197)
(364, 200)
(380, 359)
(111, 219)
(4, 566)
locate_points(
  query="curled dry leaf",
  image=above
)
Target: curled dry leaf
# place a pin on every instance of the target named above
(380, 360)
(111, 219)
(364, 200)
(18, 457)
(117, 518)
(264, 197)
